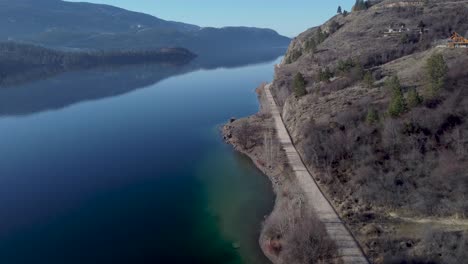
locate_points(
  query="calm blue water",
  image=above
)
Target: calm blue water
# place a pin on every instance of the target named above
(138, 177)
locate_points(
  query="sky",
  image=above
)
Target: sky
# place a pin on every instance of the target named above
(288, 17)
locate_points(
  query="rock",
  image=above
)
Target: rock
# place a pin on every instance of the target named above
(371, 230)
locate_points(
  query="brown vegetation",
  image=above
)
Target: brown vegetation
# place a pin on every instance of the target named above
(292, 233)
(378, 149)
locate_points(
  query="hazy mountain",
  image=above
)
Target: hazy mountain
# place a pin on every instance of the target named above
(57, 23)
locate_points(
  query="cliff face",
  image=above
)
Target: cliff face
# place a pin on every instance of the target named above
(399, 181)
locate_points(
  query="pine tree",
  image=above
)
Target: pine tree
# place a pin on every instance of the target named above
(397, 102)
(340, 11)
(421, 26)
(414, 99)
(325, 75)
(299, 85)
(436, 71)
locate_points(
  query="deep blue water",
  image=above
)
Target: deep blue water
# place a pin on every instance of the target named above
(136, 176)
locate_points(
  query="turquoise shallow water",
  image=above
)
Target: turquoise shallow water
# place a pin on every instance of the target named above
(128, 166)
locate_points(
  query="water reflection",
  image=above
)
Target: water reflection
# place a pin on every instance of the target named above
(54, 91)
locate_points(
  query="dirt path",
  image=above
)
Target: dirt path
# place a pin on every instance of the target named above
(348, 248)
(449, 221)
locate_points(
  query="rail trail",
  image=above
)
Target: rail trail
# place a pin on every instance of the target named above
(348, 248)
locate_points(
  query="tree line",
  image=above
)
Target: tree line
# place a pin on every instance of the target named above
(16, 58)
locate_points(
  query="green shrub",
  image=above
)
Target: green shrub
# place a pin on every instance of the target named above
(368, 80)
(414, 99)
(325, 75)
(404, 39)
(311, 45)
(397, 103)
(320, 36)
(299, 85)
(345, 66)
(436, 71)
(372, 116)
(360, 5)
(294, 56)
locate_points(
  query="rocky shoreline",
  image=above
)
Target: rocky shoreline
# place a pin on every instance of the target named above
(256, 153)
(281, 240)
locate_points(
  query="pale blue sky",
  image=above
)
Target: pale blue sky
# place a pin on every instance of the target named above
(288, 17)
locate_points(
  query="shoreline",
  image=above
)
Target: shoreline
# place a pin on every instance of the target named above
(255, 154)
(281, 233)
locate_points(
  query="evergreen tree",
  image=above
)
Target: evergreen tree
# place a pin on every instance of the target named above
(340, 11)
(299, 85)
(311, 45)
(436, 71)
(414, 99)
(421, 26)
(325, 75)
(320, 36)
(397, 102)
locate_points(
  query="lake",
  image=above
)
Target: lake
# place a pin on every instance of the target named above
(127, 165)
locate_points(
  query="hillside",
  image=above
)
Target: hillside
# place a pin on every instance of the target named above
(380, 121)
(60, 24)
(22, 62)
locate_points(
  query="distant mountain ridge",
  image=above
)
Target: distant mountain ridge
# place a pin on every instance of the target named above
(60, 24)
(25, 17)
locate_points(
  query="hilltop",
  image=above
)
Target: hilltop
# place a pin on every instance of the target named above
(376, 104)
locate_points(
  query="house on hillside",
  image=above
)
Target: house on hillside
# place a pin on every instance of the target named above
(396, 30)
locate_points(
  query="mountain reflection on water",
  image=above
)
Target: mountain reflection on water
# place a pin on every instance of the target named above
(48, 90)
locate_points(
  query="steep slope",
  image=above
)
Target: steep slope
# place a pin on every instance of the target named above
(374, 166)
(389, 153)
(72, 25)
(360, 36)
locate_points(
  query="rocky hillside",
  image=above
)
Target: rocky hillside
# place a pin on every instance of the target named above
(379, 116)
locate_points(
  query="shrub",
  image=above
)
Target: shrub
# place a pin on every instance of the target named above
(368, 80)
(372, 116)
(325, 75)
(299, 85)
(334, 26)
(360, 5)
(320, 36)
(414, 99)
(397, 103)
(436, 71)
(345, 66)
(311, 45)
(294, 56)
